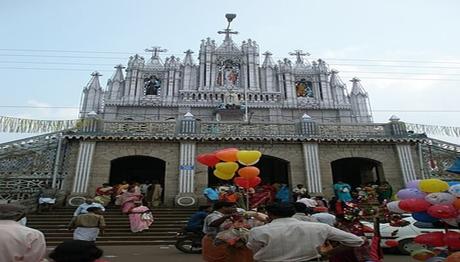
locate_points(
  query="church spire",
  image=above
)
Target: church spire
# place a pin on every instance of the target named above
(268, 61)
(118, 75)
(357, 88)
(188, 57)
(94, 81)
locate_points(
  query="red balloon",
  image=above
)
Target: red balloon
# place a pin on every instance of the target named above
(414, 205)
(452, 240)
(247, 183)
(253, 182)
(249, 172)
(391, 243)
(209, 160)
(241, 182)
(442, 211)
(434, 239)
(228, 154)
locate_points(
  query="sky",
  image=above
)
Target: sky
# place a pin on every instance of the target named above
(406, 53)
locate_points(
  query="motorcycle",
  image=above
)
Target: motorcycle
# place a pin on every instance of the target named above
(189, 242)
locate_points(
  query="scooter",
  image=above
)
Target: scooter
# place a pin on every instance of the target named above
(189, 242)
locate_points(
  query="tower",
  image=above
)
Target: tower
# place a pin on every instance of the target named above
(92, 96)
(359, 99)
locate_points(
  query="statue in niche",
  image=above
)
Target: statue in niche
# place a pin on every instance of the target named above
(152, 84)
(228, 74)
(231, 100)
(304, 88)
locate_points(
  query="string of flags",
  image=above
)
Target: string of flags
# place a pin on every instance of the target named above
(434, 130)
(22, 125)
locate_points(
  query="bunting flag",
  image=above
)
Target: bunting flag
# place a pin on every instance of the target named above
(21, 125)
(434, 130)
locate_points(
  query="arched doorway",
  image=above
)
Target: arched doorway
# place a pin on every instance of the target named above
(137, 169)
(356, 171)
(272, 170)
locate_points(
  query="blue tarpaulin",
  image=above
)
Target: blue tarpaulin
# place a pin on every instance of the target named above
(455, 167)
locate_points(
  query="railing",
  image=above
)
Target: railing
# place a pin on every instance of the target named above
(243, 129)
(443, 145)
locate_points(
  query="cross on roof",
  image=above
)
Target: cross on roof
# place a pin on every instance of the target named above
(155, 51)
(228, 31)
(299, 54)
(188, 52)
(267, 54)
(96, 73)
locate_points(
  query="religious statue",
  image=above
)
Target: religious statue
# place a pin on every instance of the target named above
(304, 88)
(300, 88)
(152, 84)
(231, 100)
(228, 74)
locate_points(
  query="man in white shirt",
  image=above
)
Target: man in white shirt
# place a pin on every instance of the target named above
(89, 202)
(288, 239)
(17, 242)
(306, 199)
(325, 217)
(300, 213)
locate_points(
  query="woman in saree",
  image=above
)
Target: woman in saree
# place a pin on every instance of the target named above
(128, 198)
(104, 194)
(119, 190)
(140, 217)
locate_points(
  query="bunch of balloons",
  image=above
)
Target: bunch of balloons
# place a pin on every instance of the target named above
(226, 165)
(430, 201)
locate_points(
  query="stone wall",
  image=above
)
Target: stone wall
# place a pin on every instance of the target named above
(384, 153)
(107, 151)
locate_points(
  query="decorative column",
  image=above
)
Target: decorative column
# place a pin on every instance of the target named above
(406, 162)
(186, 196)
(312, 170)
(84, 160)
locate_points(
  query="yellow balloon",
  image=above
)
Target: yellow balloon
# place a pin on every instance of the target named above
(433, 185)
(227, 168)
(222, 175)
(248, 158)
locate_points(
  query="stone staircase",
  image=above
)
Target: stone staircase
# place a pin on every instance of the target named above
(168, 221)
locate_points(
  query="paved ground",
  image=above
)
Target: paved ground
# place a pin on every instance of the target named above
(171, 254)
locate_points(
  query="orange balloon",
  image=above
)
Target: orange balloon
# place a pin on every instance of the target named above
(249, 172)
(228, 154)
(456, 203)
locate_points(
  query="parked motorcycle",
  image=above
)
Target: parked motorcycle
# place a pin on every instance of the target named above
(189, 242)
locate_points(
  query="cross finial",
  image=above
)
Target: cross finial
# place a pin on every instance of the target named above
(228, 31)
(299, 54)
(96, 73)
(155, 51)
(266, 54)
(119, 66)
(188, 52)
(355, 80)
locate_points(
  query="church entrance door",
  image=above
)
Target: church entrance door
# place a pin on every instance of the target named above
(356, 171)
(137, 169)
(272, 170)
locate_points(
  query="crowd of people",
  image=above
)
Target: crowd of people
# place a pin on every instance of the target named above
(267, 223)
